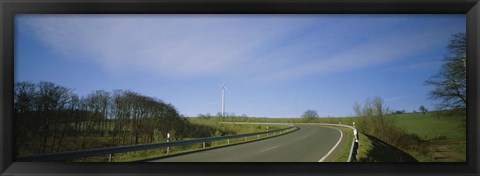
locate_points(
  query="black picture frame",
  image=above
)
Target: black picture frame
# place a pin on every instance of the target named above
(9, 8)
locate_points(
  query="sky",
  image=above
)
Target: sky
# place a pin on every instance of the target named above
(272, 65)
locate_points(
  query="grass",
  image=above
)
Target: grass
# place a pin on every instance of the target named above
(346, 145)
(431, 125)
(364, 147)
(233, 128)
(444, 134)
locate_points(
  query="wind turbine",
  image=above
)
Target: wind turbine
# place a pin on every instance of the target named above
(223, 99)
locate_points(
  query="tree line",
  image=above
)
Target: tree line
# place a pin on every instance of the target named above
(52, 118)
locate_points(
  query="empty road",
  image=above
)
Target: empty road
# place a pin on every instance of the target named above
(309, 144)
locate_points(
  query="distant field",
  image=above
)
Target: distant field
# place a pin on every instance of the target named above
(431, 125)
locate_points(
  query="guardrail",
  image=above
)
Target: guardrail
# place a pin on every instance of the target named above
(352, 157)
(121, 149)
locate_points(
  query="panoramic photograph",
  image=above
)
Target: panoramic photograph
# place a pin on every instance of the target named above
(240, 88)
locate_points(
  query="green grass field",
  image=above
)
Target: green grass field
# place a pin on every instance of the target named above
(431, 125)
(445, 134)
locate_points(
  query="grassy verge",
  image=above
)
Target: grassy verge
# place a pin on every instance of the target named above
(364, 147)
(346, 145)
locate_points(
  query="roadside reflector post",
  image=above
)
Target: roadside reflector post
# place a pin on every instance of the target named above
(258, 136)
(203, 144)
(110, 157)
(355, 135)
(245, 138)
(228, 141)
(353, 124)
(168, 140)
(267, 131)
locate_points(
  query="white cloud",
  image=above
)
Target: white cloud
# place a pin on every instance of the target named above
(198, 45)
(367, 55)
(179, 45)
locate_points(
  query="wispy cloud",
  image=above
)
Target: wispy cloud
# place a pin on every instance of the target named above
(266, 48)
(364, 55)
(180, 45)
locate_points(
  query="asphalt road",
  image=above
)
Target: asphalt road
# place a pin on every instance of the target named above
(309, 144)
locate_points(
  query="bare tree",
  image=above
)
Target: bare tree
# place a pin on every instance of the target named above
(373, 116)
(450, 83)
(24, 105)
(51, 118)
(52, 100)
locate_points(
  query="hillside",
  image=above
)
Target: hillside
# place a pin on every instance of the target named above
(445, 134)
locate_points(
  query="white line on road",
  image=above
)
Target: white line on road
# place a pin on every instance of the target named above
(331, 150)
(268, 149)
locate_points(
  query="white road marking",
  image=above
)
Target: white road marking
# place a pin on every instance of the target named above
(331, 150)
(268, 149)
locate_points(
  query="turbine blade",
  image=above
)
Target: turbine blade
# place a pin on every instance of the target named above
(228, 90)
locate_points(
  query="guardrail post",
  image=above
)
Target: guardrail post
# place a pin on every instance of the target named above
(168, 140)
(110, 157)
(203, 144)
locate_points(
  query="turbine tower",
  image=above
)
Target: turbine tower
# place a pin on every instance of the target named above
(223, 100)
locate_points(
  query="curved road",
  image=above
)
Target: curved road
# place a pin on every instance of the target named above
(309, 144)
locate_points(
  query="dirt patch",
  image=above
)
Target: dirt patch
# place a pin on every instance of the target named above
(444, 154)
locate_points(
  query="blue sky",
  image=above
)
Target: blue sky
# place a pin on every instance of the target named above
(273, 65)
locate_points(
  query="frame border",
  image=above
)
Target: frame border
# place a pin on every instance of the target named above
(9, 8)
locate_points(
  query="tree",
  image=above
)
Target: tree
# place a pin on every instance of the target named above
(423, 109)
(373, 116)
(24, 105)
(310, 114)
(450, 82)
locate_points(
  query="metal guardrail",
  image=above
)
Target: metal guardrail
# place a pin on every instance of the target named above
(121, 149)
(352, 157)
